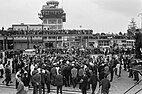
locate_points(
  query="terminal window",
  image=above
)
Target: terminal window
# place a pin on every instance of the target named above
(52, 21)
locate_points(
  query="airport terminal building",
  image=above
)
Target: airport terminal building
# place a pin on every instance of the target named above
(51, 34)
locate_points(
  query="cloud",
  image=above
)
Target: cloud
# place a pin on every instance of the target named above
(125, 7)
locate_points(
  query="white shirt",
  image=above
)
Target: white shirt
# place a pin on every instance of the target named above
(1, 66)
(118, 66)
(57, 68)
(32, 68)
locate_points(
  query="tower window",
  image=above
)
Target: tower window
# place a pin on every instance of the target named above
(53, 27)
(59, 21)
(45, 21)
(52, 21)
(59, 26)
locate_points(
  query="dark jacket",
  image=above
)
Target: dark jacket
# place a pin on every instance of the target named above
(47, 77)
(42, 77)
(84, 82)
(105, 83)
(26, 81)
(94, 79)
(36, 78)
(59, 80)
(53, 71)
(7, 72)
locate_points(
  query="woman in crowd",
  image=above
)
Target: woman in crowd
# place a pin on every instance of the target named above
(20, 88)
(59, 82)
(25, 79)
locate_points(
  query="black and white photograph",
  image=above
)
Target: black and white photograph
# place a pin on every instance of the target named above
(70, 46)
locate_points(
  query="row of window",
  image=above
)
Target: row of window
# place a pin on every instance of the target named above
(59, 37)
(52, 27)
(103, 43)
(52, 21)
(52, 12)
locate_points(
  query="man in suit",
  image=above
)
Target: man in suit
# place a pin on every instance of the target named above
(42, 73)
(93, 81)
(36, 80)
(59, 82)
(53, 75)
(67, 74)
(84, 83)
(47, 80)
(105, 83)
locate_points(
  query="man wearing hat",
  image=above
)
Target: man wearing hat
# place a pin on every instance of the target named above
(36, 81)
(59, 82)
(105, 83)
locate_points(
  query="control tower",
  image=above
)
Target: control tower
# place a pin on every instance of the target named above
(52, 16)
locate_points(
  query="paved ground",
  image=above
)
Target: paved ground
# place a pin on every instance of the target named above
(118, 86)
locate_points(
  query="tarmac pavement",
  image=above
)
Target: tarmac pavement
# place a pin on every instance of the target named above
(118, 86)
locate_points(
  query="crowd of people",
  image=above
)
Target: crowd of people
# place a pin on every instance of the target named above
(75, 68)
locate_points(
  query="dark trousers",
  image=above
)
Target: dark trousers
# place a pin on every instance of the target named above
(7, 80)
(43, 87)
(93, 88)
(111, 74)
(88, 85)
(16, 86)
(125, 66)
(130, 73)
(74, 82)
(36, 88)
(67, 81)
(84, 91)
(136, 76)
(48, 86)
(1, 70)
(59, 88)
(53, 77)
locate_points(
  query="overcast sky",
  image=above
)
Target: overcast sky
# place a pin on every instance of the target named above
(99, 15)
